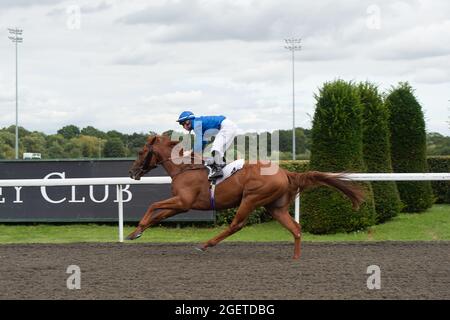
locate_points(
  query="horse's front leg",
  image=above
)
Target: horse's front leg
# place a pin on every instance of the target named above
(169, 207)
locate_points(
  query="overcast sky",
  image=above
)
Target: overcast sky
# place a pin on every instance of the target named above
(133, 66)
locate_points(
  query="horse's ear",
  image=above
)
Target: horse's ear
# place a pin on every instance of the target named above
(151, 140)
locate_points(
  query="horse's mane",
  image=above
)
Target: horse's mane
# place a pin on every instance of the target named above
(151, 139)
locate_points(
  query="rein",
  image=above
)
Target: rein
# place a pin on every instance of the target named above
(191, 166)
(186, 167)
(150, 156)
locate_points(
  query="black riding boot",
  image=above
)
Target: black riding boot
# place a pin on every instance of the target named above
(216, 168)
(215, 172)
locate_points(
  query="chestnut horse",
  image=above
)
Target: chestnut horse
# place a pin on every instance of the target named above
(247, 189)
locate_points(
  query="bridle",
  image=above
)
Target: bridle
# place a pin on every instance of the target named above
(148, 158)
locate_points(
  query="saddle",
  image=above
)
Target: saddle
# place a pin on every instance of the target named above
(228, 171)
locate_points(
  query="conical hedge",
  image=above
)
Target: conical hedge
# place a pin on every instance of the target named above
(408, 146)
(377, 151)
(336, 147)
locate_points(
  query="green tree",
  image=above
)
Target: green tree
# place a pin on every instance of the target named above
(408, 146)
(437, 144)
(35, 142)
(7, 143)
(7, 137)
(377, 152)
(90, 147)
(114, 148)
(301, 141)
(55, 146)
(93, 132)
(73, 150)
(116, 134)
(22, 131)
(69, 132)
(336, 147)
(135, 142)
(441, 189)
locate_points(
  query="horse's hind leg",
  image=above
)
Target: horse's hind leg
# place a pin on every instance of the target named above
(285, 219)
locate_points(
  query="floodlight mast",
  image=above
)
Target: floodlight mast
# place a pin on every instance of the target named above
(293, 45)
(16, 38)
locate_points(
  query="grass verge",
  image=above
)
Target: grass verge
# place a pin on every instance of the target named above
(431, 225)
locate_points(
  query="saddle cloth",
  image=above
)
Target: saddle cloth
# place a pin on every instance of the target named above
(230, 169)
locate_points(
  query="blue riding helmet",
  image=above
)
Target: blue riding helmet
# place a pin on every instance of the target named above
(185, 115)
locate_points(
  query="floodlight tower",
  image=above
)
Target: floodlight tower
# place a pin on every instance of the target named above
(16, 37)
(293, 45)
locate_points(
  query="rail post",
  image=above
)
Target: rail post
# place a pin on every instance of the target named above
(120, 205)
(297, 208)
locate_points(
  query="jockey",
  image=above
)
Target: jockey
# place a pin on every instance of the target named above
(223, 138)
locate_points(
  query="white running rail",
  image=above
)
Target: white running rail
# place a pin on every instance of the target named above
(120, 181)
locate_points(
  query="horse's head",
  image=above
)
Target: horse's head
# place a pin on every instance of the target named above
(146, 160)
(155, 151)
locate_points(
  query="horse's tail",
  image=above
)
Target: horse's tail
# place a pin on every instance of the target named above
(302, 181)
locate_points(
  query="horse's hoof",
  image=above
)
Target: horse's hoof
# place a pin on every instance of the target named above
(133, 237)
(201, 249)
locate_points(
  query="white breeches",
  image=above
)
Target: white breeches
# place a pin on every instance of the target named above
(225, 136)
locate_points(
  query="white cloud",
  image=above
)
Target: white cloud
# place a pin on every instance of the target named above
(199, 20)
(432, 75)
(26, 3)
(416, 43)
(175, 98)
(136, 66)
